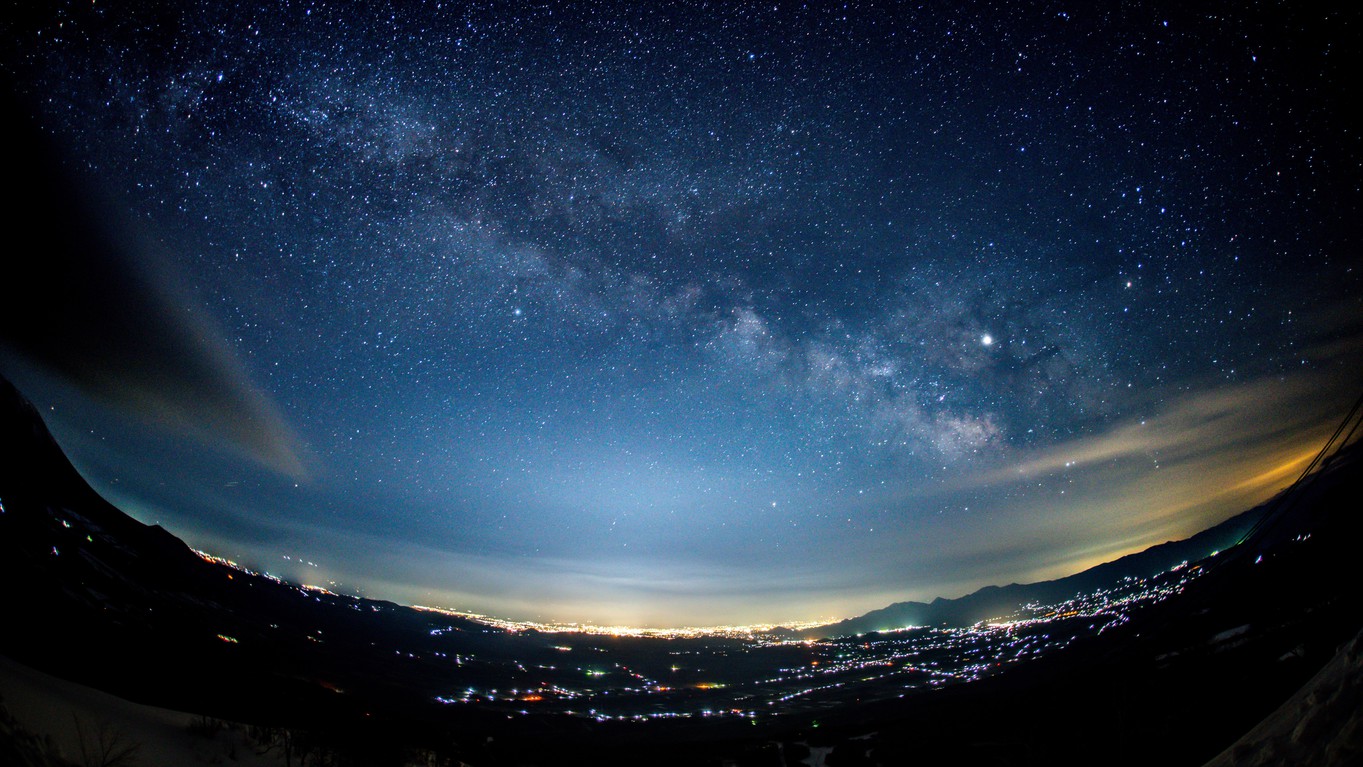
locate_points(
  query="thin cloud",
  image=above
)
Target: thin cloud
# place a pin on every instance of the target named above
(1200, 424)
(100, 310)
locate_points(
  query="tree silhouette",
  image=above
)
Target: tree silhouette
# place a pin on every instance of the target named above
(105, 745)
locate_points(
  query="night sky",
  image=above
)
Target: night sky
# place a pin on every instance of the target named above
(684, 313)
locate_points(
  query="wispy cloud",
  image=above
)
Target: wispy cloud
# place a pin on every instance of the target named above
(1047, 512)
(104, 312)
(1195, 427)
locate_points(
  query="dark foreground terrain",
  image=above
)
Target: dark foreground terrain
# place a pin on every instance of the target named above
(1133, 663)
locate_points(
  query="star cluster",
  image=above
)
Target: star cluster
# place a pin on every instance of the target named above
(673, 313)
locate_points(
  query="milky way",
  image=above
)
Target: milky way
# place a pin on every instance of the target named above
(667, 314)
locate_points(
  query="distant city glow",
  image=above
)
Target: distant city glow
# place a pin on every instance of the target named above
(751, 632)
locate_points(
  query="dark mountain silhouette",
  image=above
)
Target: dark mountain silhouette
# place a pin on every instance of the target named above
(1293, 512)
(35, 472)
(131, 609)
(1002, 601)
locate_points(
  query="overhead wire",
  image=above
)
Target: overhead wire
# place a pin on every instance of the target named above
(1288, 498)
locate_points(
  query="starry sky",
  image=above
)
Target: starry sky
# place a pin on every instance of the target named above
(683, 313)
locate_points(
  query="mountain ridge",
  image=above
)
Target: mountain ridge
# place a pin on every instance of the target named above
(996, 601)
